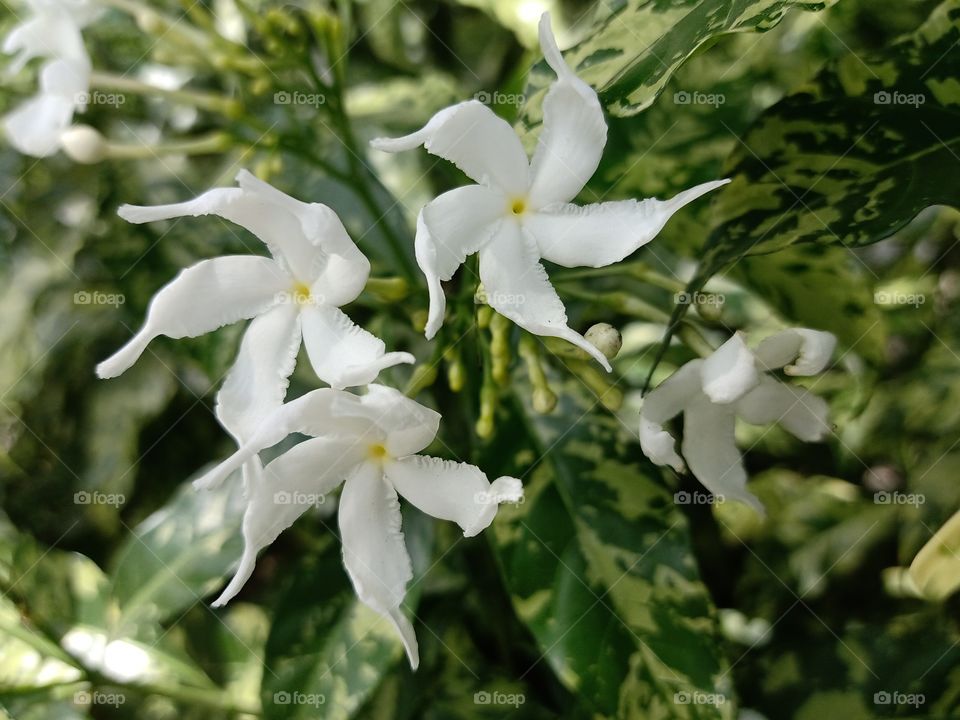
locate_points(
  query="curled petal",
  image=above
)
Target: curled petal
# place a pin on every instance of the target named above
(517, 287)
(573, 135)
(342, 353)
(403, 425)
(258, 380)
(799, 411)
(471, 136)
(374, 551)
(202, 298)
(711, 451)
(282, 491)
(729, 372)
(659, 445)
(452, 491)
(605, 233)
(798, 351)
(451, 227)
(662, 404)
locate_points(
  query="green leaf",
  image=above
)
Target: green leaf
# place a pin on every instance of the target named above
(853, 156)
(599, 563)
(180, 553)
(327, 652)
(638, 44)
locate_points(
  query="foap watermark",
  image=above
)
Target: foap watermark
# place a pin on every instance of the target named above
(97, 697)
(298, 296)
(296, 97)
(283, 497)
(895, 497)
(696, 697)
(499, 698)
(95, 497)
(299, 698)
(684, 97)
(501, 300)
(699, 298)
(489, 498)
(500, 98)
(886, 97)
(98, 97)
(682, 497)
(885, 697)
(886, 297)
(95, 297)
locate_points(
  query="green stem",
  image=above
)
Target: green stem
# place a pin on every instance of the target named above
(205, 101)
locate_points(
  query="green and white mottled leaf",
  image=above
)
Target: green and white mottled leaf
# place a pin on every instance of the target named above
(638, 44)
(600, 567)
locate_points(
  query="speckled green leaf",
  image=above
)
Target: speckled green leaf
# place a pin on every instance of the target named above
(637, 45)
(327, 652)
(854, 155)
(599, 564)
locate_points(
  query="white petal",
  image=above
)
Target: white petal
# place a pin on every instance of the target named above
(342, 353)
(573, 135)
(453, 491)
(471, 136)
(604, 233)
(662, 404)
(799, 411)
(809, 351)
(68, 78)
(204, 297)
(35, 126)
(729, 372)
(449, 228)
(374, 552)
(282, 491)
(403, 425)
(517, 287)
(48, 34)
(711, 452)
(307, 238)
(258, 380)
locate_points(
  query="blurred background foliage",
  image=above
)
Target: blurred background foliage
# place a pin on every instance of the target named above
(600, 596)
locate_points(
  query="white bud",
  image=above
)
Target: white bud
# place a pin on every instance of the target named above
(83, 144)
(605, 338)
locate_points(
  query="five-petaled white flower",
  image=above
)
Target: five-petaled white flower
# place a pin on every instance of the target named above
(52, 31)
(369, 443)
(732, 382)
(520, 212)
(315, 269)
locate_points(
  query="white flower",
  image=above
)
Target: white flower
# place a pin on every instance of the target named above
(52, 31)
(519, 212)
(296, 294)
(731, 383)
(369, 443)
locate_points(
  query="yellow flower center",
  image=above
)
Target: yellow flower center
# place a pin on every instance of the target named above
(377, 452)
(518, 206)
(301, 293)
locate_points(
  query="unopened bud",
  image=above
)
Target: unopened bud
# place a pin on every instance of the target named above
(83, 144)
(544, 401)
(605, 338)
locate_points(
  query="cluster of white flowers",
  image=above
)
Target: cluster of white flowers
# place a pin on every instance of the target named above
(518, 213)
(51, 32)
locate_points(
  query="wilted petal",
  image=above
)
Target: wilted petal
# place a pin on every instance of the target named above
(517, 287)
(573, 135)
(282, 491)
(604, 233)
(452, 491)
(729, 372)
(258, 380)
(342, 353)
(809, 351)
(711, 452)
(799, 411)
(374, 552)
(204, 297)
(471, 136)
(449, 228)
(662, 404)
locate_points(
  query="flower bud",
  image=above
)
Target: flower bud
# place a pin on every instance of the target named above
(544, 400)
(83, 144)
(606, 338)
